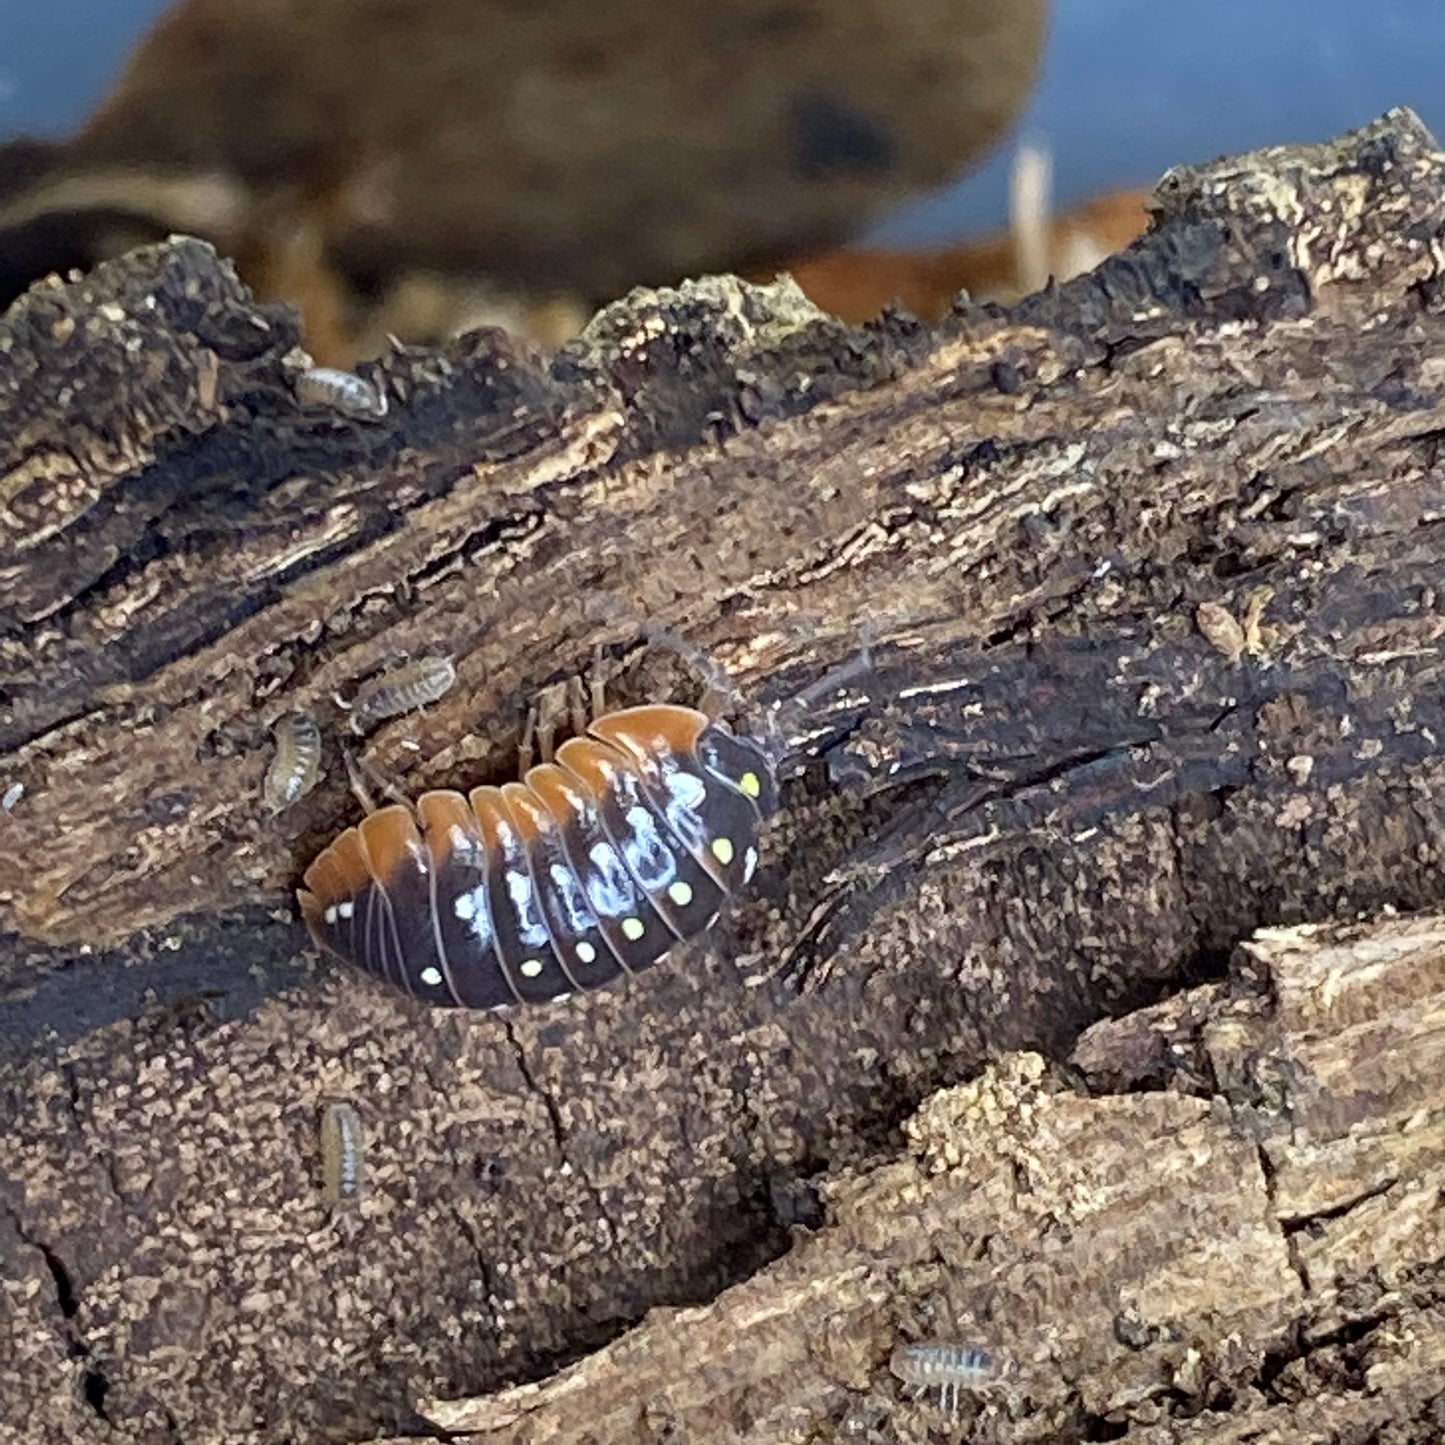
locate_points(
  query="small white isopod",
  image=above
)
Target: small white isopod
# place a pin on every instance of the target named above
(296, 764)
(342, 1165)
(402, 689)
(953, 1368)
(342, 391)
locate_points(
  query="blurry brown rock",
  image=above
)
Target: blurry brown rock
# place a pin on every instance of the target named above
(562, 151)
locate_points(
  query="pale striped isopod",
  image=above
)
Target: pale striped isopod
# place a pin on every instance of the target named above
(342, 1144)
(297, 762)
(342, 391)
(951, 1367)
(402, 689)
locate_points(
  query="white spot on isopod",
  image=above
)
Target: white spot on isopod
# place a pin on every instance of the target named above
(471, 907)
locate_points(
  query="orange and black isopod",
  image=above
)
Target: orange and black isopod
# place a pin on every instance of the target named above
(594, 865)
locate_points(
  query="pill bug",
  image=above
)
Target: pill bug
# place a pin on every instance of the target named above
(342, 1164)
(341, 391)
(296, 763)
(593, 866)
(401, 689)
(953, 1368)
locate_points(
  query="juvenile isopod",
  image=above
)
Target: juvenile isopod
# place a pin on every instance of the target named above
(13, 795)
(402, 689)
(342, 1166)
(296, 764)
(953, 1368)
(342, 391)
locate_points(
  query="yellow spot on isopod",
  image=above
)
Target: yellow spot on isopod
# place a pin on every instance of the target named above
(586, 952)
(633, 928)
(751, 785)
(531, 967)
(722, 850)
(680, 892)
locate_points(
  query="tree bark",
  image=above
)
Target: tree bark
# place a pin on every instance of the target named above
(1273, 1274)
(1152, 567)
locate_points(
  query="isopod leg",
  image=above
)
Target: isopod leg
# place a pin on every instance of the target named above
(358, 771)
(577, 695)
(526, 753)
(537, 734)
(357, 782)
(596, 687)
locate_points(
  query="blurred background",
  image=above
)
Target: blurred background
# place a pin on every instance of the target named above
(416, 167)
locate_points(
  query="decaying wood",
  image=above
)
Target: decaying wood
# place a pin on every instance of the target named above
(1152, 563)
(1274, 1272)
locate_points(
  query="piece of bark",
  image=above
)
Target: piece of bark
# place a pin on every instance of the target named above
(1085, 785)
(1172, 1265)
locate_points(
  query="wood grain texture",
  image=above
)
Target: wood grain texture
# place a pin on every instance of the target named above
(1260, 1259)
(1152, 563)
